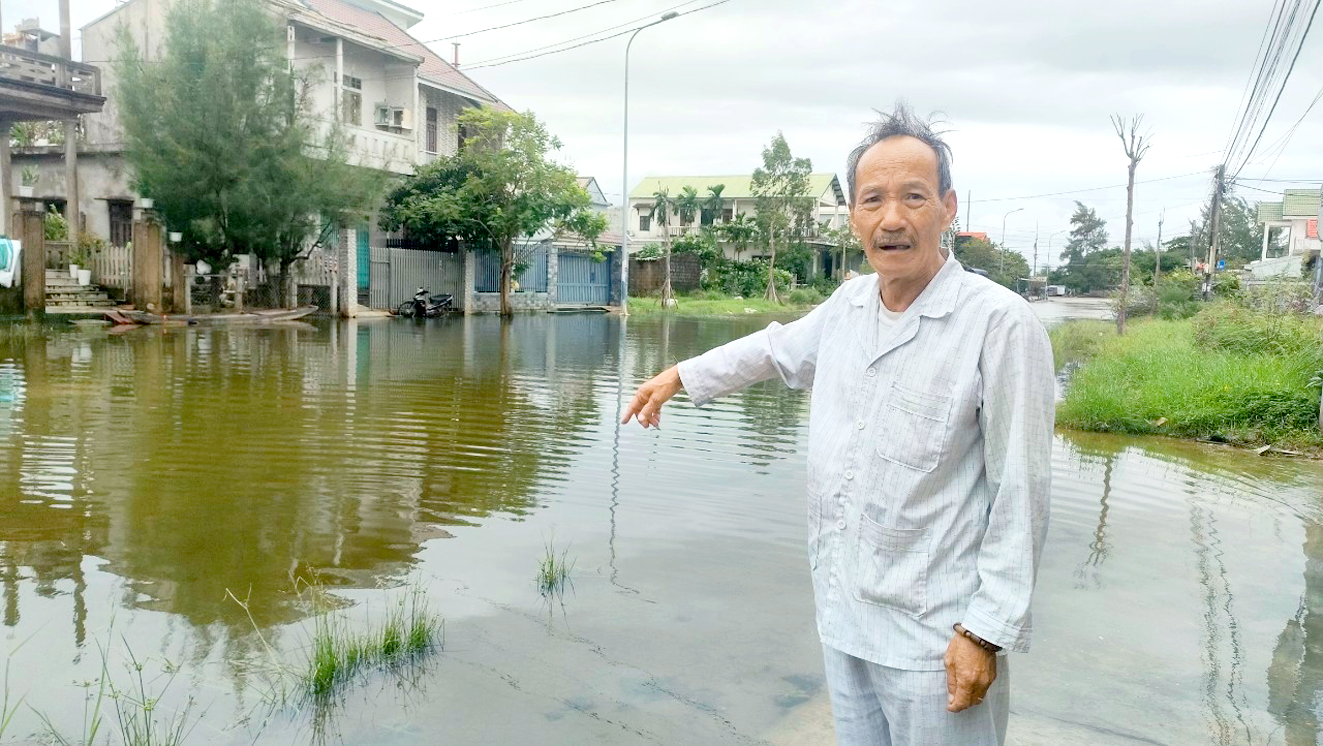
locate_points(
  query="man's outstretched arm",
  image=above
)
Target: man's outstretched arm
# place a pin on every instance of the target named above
(789, 351)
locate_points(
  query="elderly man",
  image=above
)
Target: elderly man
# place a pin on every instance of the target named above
(930, 432)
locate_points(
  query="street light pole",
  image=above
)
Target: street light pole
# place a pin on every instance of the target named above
(1049, 249)
(624, 175)
(1001, 264)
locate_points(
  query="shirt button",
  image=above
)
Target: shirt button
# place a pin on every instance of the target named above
(859, 424)
(872, 372)
(849, 474)
(840, 525)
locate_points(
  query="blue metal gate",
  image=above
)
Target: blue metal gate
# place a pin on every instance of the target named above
(581, 279)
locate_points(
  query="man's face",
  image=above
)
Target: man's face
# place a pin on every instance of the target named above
(898, 212)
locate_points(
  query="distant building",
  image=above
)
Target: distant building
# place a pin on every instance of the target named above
(1297, 212)
(737, 198)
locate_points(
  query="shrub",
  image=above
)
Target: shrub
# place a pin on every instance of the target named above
(805, 296)
(1247, 331)
(55, 226)
(1174, 298)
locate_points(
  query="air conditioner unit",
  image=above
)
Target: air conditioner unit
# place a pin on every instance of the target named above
(404, 118)
(382, 117)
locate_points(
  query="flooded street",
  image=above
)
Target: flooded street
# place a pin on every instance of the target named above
(146, 475)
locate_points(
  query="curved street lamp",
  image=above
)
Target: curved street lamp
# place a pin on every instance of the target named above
(624, 178)
(1001, 262)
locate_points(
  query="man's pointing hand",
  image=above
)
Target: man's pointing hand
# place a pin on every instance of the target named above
(647, 403)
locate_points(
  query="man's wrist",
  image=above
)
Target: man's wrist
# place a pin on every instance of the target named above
(979, 641)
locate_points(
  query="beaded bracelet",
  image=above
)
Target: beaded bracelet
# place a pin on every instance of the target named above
(979, 641)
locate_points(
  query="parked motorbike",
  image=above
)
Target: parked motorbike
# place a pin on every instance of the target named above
(426, 305)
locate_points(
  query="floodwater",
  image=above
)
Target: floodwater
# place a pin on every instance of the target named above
(145, 476)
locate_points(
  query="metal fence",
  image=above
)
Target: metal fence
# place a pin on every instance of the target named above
(487, 273)
(397, 273)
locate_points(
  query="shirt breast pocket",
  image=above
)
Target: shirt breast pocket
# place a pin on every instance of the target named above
(912, 427)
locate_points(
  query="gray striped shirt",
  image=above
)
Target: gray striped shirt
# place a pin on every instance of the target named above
(928, 464)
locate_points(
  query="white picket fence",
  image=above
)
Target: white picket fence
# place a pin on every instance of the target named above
(112, 267)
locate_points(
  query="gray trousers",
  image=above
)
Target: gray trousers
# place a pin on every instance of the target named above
(874, 705)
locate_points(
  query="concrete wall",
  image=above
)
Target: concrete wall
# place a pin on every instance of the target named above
(521, 301)
(145, 19)
(448, 107)
(102, 176)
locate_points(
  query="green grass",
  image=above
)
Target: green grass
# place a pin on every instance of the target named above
(553, 572)
(1196, 378)
(1079, 341)
(339, 653)
(707, 303)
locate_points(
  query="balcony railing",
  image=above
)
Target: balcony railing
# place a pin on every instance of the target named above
(43, 69)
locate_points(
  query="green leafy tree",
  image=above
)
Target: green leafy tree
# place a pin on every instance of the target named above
(500, 188)
(220, 133)
(784, 204)
(1088, 235)
(1004, 266)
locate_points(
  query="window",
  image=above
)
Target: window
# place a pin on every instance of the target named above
(433, 130)
(121, 221)
(353, 101)
(463, 136)
(705, 217)
(727, 215)
(645, 223)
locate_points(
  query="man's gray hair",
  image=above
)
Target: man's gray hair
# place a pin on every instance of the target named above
(902, 121)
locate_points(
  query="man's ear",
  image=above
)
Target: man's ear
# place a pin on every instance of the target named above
(952, 206)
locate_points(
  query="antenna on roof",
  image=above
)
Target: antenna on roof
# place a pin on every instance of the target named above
(455, 44)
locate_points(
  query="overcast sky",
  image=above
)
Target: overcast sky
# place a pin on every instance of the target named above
(1027, 87)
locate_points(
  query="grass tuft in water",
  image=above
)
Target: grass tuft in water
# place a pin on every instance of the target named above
(553, 572)
(409, 631)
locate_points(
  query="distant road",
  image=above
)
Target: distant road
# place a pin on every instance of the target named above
(1054, 311)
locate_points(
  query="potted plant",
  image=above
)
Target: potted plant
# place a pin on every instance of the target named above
(84, 251)
(29, 186)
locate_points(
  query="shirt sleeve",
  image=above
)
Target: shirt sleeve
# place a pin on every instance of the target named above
(789, 351)
(1017, 417)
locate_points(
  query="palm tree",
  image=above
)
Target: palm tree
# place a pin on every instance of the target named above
(687, 205)
(663, 206)
(739, 231)
(713, 202)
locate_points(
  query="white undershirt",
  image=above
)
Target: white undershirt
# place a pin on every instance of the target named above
(886, 319)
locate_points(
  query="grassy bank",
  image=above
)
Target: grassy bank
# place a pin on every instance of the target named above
(1227, 374)
(707, 303)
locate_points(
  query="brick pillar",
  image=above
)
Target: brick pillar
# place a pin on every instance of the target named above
(553, 273)
(148, 261)
(348, 265)
(178, 284)
(467, 289)
(30, 228)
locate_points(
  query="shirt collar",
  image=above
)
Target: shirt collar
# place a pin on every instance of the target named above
(938, 297)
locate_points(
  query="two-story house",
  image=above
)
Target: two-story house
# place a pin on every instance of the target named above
(1296, 214)
(737, 198)
(398, 101)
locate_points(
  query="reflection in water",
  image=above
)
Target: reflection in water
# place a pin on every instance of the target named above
(153, 471)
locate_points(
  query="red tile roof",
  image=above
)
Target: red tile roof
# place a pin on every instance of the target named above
(432, 69)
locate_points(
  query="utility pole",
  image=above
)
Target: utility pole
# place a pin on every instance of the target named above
(969, 200)
(1033, 272)
(1215, 222)
(1318, 274)
(1157, 251)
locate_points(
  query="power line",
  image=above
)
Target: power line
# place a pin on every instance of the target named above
(582, 44)
(1282, 89)
(529, 20)
(484, 7)
(1090, 189)
(630, 23)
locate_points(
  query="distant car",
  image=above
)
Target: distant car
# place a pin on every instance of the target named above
(977, 271)
(1056, 290)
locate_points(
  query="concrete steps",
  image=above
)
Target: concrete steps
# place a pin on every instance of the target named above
(63, 291)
